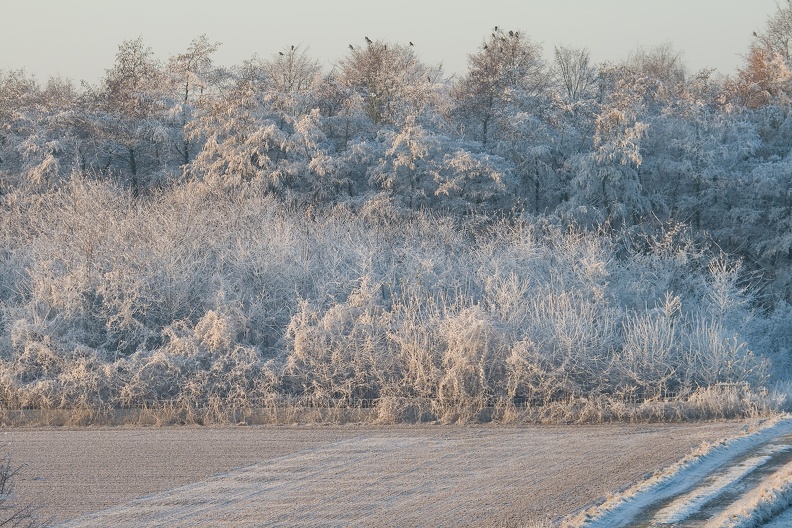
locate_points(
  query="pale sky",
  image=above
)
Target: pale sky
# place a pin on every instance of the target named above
(78, 39)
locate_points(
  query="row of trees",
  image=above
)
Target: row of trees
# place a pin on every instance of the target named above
(592, 143)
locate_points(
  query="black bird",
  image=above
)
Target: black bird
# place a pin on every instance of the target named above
(511, 33)
(281, 53)
(485, 46)
(755, 35)
(292, 47)
(411, 44)
(351, 47)
(368, 40)
(496, 28)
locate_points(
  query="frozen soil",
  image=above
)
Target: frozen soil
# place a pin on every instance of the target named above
(339, 475)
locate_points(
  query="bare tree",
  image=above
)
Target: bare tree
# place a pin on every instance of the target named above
(777, 36)
(574, 73)
(11, 512)
(293, 71)
(662, 63)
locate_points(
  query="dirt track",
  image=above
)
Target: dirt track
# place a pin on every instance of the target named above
(333, 476)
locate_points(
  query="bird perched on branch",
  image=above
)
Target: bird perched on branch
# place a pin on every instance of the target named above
(280, 53)
(368, 40)
(351, 47)
(411, 44)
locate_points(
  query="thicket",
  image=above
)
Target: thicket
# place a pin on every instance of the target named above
(532, 240)
(215, 305)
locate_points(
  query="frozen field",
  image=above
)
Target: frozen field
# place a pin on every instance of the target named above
(333, 476)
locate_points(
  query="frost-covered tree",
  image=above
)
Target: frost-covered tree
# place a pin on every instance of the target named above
(39, 142)
(267, 126)
(607, 187)
(194, 80)
(502, 78)
(129, 110)
(19, 97)
(471, 181)
(405, 170)
(763, 80)
(242, 139)
(777, 34)
(392, 83)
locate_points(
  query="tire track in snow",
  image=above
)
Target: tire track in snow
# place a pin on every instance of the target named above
(690, 503)
(697, 488)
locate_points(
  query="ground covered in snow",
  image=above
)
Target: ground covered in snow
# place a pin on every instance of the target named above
(349, 475)
(740, 482)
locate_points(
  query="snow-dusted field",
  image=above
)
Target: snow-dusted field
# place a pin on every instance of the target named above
(333, 476)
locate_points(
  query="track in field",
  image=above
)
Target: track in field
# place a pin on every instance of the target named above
(746, 481)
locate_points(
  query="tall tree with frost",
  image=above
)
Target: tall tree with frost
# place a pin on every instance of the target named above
(607, 186)
(391, 81)
(129, 105)
(501, 79)
(194, 79)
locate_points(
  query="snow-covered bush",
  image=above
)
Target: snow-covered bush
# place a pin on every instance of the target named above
(217, 303)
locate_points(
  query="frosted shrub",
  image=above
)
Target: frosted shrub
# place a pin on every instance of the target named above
(155, 377)
(340, 355)
(214, 332)
(472, 364)
(86, 385)
(652, 359)
(415, 339)
(718, 357)
(724, 296)
(575, 337)
(531, 380)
